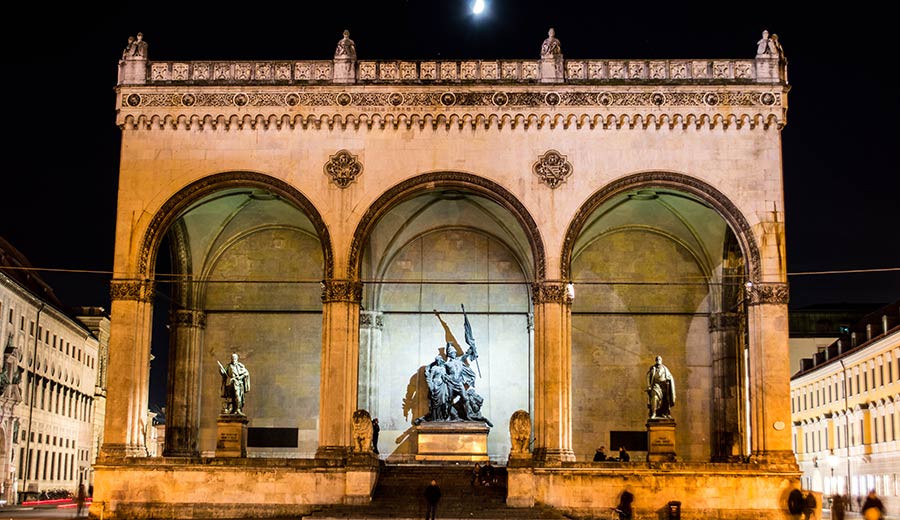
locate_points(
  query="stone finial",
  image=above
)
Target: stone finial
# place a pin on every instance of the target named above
(346, 49)
(551, 47)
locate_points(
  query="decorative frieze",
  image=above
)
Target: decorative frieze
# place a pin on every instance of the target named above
(767, 294)
(137, 290)
(552, 168)
(341, 291)
(343, 168)
(477, 98)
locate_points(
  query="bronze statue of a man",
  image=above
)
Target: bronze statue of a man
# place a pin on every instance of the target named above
(235, 383)
(661, 390)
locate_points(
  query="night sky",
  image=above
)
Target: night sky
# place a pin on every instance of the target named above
(840, 146)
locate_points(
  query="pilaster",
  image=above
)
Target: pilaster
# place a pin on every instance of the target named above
(340, 358)
(553, 371)
(185, 382)
(131, 320)
(769, 373)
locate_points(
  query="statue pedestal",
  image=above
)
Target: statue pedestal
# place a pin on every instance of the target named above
(661, 440)
(232, 436)
(463, 441)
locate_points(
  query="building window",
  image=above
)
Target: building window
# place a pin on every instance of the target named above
(10, 319)
(31, 329)
(890, 371)
(873, 377)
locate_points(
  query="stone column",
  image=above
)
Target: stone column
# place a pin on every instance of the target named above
(131, 320)
(340, 363)
(552, 371)
(184, 381)
(370, 325)
(724, 330)
(770, 406)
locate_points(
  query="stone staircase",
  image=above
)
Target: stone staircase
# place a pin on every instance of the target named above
(399, 495)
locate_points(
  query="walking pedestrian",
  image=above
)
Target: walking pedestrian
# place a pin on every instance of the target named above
(837, 507)
(375, 429)
(432, 496)
(872, 508)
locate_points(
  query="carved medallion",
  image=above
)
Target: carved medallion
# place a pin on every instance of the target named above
(711, 99)
(343, 99)
(552, 168)
(292, 100)
(395, 99)
(343, 168)
(241, 99)
(500, 98)
(134, 100)
(448, 99)
(188, 100)
(552, 98)
(767, 99)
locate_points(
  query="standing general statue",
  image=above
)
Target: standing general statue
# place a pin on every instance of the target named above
(235, 383)
(661, 390)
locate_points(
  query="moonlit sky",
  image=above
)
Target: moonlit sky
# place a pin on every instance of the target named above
(840, 146)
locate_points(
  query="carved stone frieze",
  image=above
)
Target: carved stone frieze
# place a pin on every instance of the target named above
(552, 168)
(430, 98)
(187, 318)
(551, 292)
(341, 291)
(137, 290)
(343, 168)
(724, 321)
(768, 294)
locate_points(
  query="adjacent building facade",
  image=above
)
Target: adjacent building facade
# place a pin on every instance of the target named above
(845, 406)
(48, 386)
(590, 215)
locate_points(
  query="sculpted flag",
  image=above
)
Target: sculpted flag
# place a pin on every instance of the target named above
(470, 338)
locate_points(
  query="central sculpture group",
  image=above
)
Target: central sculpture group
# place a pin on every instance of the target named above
(451, 382)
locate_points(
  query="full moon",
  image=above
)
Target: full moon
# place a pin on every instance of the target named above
(478, 6)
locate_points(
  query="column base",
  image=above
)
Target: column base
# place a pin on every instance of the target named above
(553, 455)
(332, 453)
(120, 451)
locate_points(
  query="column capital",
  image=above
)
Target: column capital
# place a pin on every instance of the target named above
(136, 290)
(552, 291)
(722, 321)
(341, 291)
(188, 318)
(764, 293)
(371, 320)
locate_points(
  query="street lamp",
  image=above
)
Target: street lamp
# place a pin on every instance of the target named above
(833, 461)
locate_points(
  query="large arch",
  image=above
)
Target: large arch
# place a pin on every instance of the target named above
(446, 179)
(205, 319)
(177, 203)
(660, 261)
(678, 181)
(429, 244)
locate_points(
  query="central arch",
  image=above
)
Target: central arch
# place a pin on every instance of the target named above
(438, 180)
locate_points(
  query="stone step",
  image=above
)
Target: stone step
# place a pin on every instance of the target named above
(399, 491)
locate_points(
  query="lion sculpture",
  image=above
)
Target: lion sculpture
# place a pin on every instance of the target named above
(519, 432)
(362, 431)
